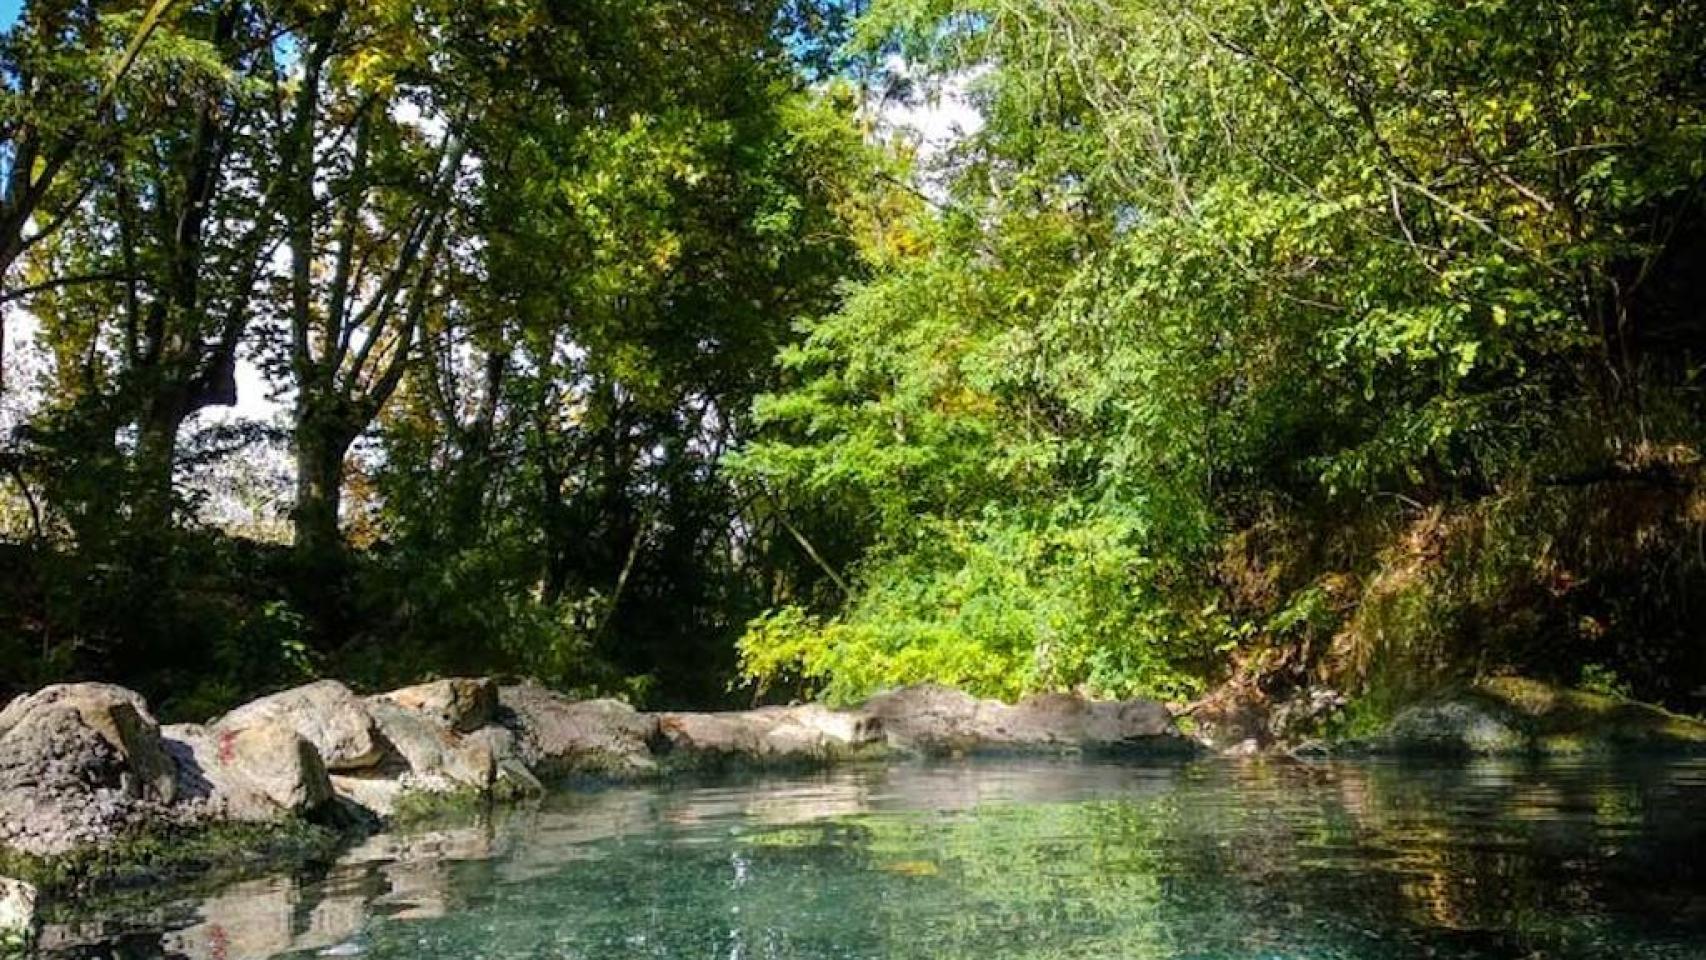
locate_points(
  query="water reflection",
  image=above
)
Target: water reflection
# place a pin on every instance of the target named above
(1058, 859)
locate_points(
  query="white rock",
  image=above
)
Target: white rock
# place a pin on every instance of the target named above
(326, 714)
(17, 911)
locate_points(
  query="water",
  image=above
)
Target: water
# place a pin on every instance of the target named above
(1206, 860)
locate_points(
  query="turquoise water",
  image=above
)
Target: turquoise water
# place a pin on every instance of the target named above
(1207, 860)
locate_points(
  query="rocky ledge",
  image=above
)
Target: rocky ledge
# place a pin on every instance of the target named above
(1515, 716)
(93, 789)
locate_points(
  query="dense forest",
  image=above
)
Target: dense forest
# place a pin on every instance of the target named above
(1228, 350)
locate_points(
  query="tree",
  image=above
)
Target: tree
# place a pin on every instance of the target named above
(1211, 269)
(58, 108)
(352, 331)
(174, 223)
(565, 435)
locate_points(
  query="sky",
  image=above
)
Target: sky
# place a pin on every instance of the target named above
(9, 12)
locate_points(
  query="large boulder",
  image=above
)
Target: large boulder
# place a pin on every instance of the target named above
(326, 714)
(770, 736)
(79, 764)
(1516, 715)
(511, 776)
(375, 795)
(559, 738)
(257, 773)
(459, 704)
(708, 735)
(421, 747)
(1064, 720)
(118, 716)
(427, 757)
(933, 719)
(423, 757)
(927, 718)
(1453, 727)
(1565, 721)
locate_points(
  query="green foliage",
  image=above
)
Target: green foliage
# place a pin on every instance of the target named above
(1600, 679)
(611, 326)
(519, 268)
(1000, 609)
(1208, 261)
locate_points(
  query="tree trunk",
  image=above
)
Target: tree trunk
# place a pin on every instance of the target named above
(320, 452)
(156, 457)
(321, 563)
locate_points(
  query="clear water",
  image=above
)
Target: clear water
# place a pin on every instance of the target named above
(1207, 860)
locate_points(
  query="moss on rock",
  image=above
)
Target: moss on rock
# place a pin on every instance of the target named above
(1576, 720)
(176, 854)
(1519, 716)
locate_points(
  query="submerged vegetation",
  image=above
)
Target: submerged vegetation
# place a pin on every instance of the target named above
(630, 346)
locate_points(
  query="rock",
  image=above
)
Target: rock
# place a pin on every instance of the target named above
(769, 736)
(378, 796)
(257, 773)
(854, 728)
(59, 795)
(17, 915)
(1243, 709)
(326, 714)
(816, 733)
(1565, 721)
(708, 734)
(1057, 719)
(1231, 713)
(1515, 715)
(1453, 727)
(422, 757)
(119, 716)
(79, 764)
(1311, 750)
(425, 759)
(1511, 715)
(426, 750)
(934, 719)
(459, 704)
(559, 738)
(511, 777)
(927, 718)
